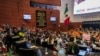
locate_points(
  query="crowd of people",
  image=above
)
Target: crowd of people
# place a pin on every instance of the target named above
(50, 39)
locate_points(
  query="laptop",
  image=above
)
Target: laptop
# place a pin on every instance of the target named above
(82, 53)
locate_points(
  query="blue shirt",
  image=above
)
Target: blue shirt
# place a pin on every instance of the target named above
(28, 45)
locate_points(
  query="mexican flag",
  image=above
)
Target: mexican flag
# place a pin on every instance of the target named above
(67, 21)
(67, 18)
(66, 9)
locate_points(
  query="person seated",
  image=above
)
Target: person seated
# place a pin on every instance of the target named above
(29, 44)
(72, 47)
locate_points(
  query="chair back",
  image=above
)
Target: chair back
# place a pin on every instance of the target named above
(27, 52)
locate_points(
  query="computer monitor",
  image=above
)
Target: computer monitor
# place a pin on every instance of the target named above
(82, 53)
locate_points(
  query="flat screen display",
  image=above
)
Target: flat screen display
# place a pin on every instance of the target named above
(52, 18)
(86, 6)
(27, 17)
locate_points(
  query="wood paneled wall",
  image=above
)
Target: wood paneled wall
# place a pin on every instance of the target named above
(52, 2)
(74, 25)
(11, 12)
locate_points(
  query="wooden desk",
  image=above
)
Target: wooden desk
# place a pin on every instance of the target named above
(20, 41)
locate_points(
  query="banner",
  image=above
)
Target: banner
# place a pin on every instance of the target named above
(41, 18)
